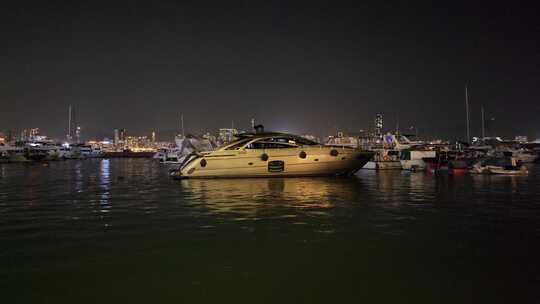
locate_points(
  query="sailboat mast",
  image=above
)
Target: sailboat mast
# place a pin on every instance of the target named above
(69, 123)
(483, 124)
(467, 113)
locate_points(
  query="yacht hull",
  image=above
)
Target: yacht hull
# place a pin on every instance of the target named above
(303, 161)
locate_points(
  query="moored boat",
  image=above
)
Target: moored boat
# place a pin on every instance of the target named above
(499, 166)
(413, 159)
(384, 159)
(12, 154)
(458, 166)
(273, 154)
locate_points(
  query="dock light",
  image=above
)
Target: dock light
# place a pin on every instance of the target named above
(65, 145)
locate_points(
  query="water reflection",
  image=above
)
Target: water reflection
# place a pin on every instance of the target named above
(499, 183)
(78, 177)
(105, 184)
(396, 187)
(250, 197)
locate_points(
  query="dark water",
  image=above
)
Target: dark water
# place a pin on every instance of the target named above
(121, 231)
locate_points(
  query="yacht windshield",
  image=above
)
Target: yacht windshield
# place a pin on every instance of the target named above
(279, 142)
(273, 142)
(292, 140)
(235, 145)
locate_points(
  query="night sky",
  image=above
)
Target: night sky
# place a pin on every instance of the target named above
(300, 67)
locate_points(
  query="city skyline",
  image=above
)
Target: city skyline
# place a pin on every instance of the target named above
(316, 67)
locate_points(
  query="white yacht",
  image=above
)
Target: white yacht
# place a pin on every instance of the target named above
(65, 152)
(9, 154)
(185, 145)
(96, 152)
(79, 151)
(273, 154)
(38, 151)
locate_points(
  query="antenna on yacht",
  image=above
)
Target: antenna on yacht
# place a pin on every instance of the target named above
(397, 124)
(467, 112)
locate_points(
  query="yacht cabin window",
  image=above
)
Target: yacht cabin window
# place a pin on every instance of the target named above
(263, 144)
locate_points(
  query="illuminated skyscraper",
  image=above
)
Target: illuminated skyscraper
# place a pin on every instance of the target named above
(116, 136)
(34, 132)
(378, 124)
(122, 135)
(153, 136)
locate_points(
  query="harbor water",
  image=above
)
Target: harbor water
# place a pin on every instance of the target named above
(120, 230)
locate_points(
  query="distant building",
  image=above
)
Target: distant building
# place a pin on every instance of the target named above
(153, 136)
(24, 135)
(122, 135)
(116, 136)
(138, 143)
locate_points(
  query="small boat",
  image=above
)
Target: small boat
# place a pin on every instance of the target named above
(384, 159)
(450, 162)
(499, 166)
(412, 159)
(272, 154)
(458, 166)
